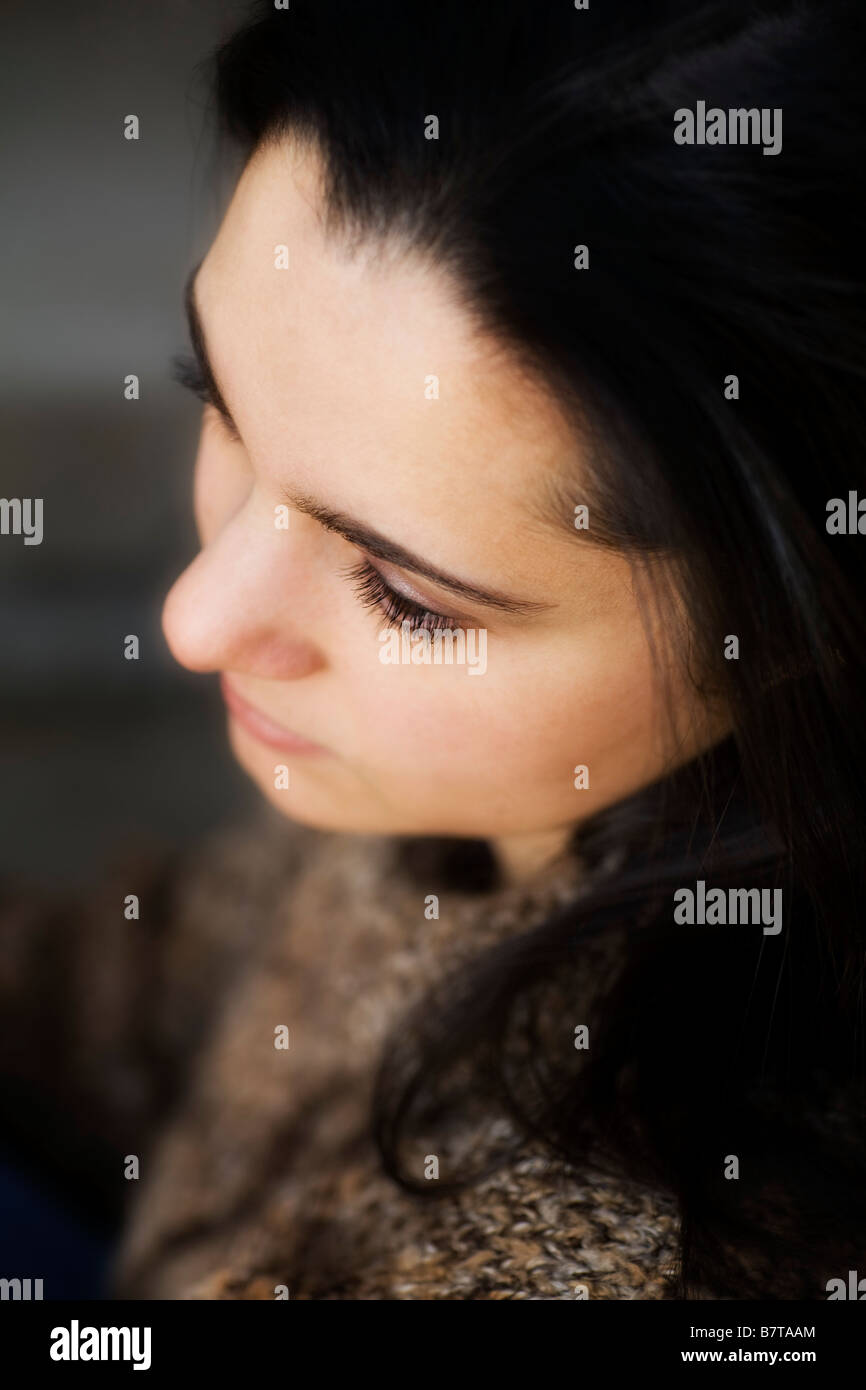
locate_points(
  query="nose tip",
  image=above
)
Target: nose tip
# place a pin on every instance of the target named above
(216, 619)
(189, 641)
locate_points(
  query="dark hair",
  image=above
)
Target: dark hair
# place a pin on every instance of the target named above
(556, 128)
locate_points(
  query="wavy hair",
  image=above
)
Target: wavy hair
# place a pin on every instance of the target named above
(556, 127)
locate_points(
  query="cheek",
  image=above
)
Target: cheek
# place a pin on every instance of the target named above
(222, 481)
(452, 726)
(524, 725)
(596, 710)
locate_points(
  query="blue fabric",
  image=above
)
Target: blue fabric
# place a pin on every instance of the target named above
(41, 1239)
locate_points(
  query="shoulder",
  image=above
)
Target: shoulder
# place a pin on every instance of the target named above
(536, 1229)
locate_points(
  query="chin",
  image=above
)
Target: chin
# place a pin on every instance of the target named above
(322, 800)
(308, 799)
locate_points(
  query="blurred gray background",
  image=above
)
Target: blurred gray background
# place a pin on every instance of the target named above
(98, 753)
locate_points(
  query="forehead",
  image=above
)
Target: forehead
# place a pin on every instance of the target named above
(362, 380)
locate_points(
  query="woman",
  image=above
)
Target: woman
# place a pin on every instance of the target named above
(532, 343)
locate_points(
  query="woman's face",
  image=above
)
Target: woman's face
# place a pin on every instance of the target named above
(383, 442)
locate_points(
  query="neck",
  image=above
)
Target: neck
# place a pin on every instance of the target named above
(520, 857)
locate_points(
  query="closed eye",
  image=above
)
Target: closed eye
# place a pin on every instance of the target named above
(374, 593)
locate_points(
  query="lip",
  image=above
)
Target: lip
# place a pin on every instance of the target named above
(261, 726)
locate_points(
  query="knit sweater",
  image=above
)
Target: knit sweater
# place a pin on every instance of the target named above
(212, 1062)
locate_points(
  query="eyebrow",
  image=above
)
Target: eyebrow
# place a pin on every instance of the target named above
(352, 530)
(199, 347)
(384, 549)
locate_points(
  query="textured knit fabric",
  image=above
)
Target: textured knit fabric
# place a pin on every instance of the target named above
(259, 1177)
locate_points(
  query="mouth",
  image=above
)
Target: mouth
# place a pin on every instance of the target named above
(261, 726)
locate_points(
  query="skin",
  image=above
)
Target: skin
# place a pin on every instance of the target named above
(324, 367)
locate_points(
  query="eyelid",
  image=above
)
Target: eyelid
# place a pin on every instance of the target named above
(406, 592)
(376, 593)
(415, 597)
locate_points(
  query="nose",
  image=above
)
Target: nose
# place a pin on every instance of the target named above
(228, 611)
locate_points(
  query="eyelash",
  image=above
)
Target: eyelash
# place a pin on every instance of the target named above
(374, 593)
(186, 371)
